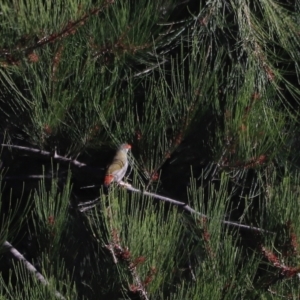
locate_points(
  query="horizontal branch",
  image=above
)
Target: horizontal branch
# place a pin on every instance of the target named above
(183, 205)
(85, 206)
(186, 207)
(47, 154)
(29, 266)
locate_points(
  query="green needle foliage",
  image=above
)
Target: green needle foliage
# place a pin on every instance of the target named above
(207, 94)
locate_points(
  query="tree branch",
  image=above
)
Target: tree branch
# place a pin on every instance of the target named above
(48, 154)
(183, 205)
(186, 207)
(29, 267)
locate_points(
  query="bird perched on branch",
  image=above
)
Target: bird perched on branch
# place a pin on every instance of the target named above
(118, 167)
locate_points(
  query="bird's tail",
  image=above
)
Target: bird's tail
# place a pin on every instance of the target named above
(108, 179)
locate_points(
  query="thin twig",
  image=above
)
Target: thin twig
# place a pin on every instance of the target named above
(89, 187)
(27, 177)
(88, 202)
(48, 154)
(83, 209)
(191, 270)
(186, 207)
(29, 267)
(183, 205)
(111, 250)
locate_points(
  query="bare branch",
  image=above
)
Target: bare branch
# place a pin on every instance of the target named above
(29, 266)
(186, 207)
(48, 154)
(183, 205)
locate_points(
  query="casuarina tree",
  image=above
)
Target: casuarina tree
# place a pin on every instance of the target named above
(205, 94)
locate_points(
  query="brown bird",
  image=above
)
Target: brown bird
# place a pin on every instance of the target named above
(118, 167)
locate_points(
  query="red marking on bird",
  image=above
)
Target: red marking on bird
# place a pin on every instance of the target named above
(108, 179)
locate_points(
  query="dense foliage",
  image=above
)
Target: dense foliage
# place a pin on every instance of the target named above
(206, 92)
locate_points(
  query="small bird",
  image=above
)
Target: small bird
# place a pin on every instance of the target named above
(118, 167)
